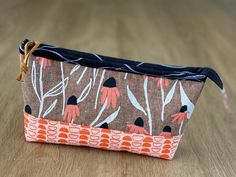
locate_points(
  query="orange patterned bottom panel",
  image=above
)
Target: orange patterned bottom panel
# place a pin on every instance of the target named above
(49, 131)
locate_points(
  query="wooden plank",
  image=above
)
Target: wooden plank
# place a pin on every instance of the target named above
(197, 33)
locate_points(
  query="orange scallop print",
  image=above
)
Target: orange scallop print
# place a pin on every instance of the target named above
(110, 140)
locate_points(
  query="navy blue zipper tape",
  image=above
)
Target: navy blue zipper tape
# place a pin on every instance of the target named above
(117, 64)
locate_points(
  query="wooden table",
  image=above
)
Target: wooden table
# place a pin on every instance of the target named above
(195, 33)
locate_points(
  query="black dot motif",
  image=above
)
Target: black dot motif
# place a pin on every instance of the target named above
(139, 122)
(167, 129)
(111, 82)
(72, 100)
(28, 109)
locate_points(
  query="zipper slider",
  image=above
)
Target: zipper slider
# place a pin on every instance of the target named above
(29, 48)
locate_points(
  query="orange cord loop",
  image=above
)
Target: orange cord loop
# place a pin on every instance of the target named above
(28, 52)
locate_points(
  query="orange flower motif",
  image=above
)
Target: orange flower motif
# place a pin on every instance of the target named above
(110, 92)
(137, 127)
(166, 132)
(181, 116)
(43, 61)
(162, 81)
(72, 111)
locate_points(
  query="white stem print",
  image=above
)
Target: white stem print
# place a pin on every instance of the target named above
(100, 113)
(168, 98)
(41, 88)
(95, 74)
(41, 95)
(180, 127)
(81, 76)
(76, 67)
(50, 108)
(89, 86)
(63, 89)
(99, 87)
(185, 101)
(33, 80)
(147, 105)
(162, 100)
(110, 118)
(85, 92)
(134, 101)
(126, 74)
(138, 106)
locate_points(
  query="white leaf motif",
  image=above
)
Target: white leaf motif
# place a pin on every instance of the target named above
(169, 96)
(63, 89)
(50, 108)
(100, 113)
(41, 89)
(85, 92)
(75, 68)
(145, 84)
(110, 118)
(33, 79)
(126, 74)
(99, 86)
(134, 101)
(185, 101)
(81, 76)
(58, 89)
(95, 74)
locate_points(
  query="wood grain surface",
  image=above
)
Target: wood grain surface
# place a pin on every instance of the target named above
(194, 33)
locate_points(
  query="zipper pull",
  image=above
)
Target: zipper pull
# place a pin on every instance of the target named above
(29, 48)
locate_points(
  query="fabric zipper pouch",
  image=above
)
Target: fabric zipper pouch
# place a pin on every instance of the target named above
(85, 99)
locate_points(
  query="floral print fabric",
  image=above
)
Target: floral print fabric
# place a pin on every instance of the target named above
(108, 99)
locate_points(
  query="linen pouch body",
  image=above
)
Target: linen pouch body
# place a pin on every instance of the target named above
(86, 99)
